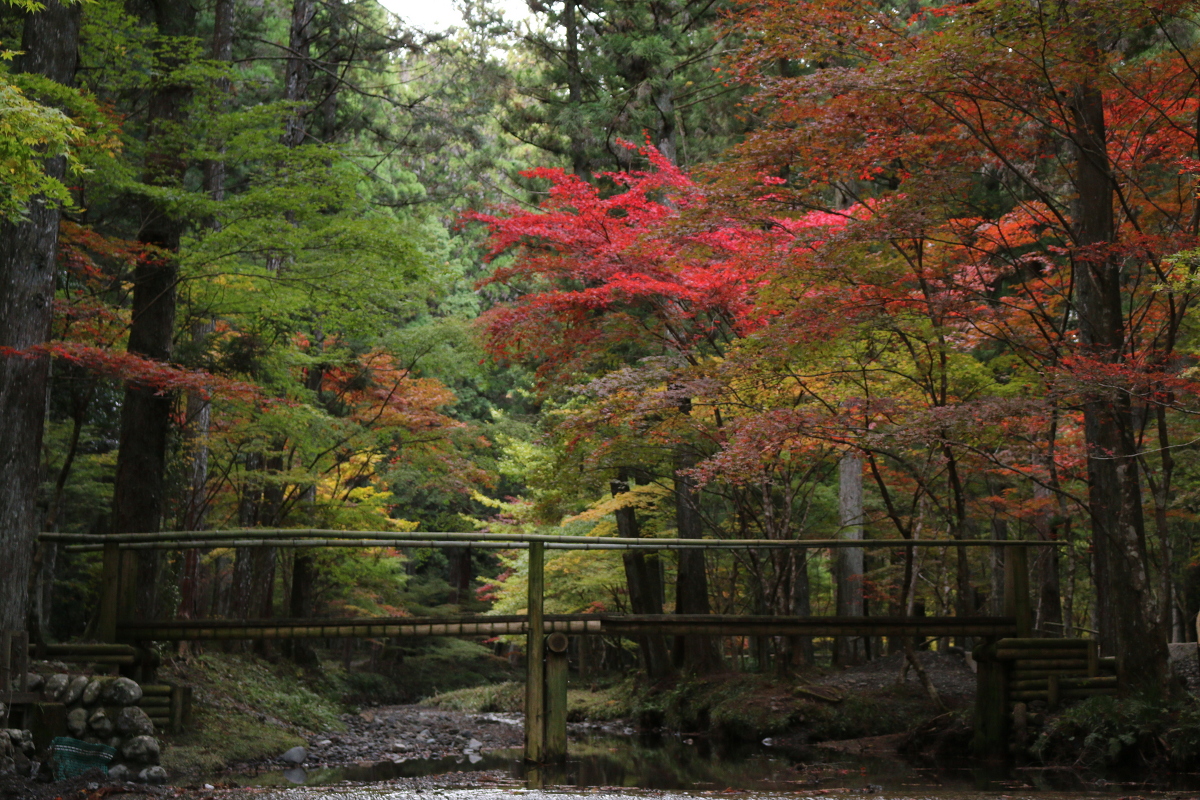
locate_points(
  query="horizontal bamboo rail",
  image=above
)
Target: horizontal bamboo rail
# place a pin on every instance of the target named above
(1067, 683)
(178, 539)
(1042, 644)
(614, 625)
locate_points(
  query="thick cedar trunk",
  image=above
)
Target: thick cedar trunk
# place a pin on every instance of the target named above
(576, 131)
(139, 492)
(695, 654)
(27, 258)
(848, 561)
(199, 411)
(801, 606)
(645, 586)
(1125, 611)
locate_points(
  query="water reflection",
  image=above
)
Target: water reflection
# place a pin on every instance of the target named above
(668, 763)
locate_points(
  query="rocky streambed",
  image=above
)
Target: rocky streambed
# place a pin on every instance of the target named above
(404, 733)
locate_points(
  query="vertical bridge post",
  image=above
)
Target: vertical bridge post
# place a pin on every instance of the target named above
(110, 593)
(535, 667)
(1016, 590)
(556, 697)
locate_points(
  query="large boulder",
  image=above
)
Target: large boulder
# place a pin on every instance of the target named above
(55, 687)
(119, 773)
(155, 775)
(91, 692)
(77, 722)
(133, 721)
(141, 750)
(295, 756)
(122, 692)
(101, 723)
(20, 739)
(33, 681)
(75, 689)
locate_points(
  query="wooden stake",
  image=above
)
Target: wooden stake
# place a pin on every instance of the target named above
(110, 593)
(556, 697)
(1016, 590)
(535, 668)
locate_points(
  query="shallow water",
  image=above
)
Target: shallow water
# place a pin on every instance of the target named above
(656, 765)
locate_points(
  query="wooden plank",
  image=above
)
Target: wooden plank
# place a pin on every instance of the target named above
(1047, 663)
(1043, 644)
(1064, 694)
(616, 625)
(1028, 654)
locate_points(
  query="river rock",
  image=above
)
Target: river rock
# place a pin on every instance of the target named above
(77, 721)
(133, 721)
(33, 681)
(91, 692)
(141, 750)
(75, 689)
(155, 775)
(55, 687)
(20, 739)
(474, 744)
(101, 723)
(119, 773)
(122, 692)
(3, 711)
(295, 756)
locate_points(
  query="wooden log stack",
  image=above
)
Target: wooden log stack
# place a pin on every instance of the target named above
(1055, 670)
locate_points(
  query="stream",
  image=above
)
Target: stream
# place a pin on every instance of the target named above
(607, 766)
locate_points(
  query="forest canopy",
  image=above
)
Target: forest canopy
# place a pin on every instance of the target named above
(661, 268)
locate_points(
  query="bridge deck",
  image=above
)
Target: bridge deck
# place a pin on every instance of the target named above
(605, 624)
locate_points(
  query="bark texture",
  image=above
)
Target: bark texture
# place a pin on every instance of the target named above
(1126, 614)
(28, 249)
(848, 561)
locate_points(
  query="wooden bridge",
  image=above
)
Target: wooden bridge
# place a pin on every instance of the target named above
(547, 635)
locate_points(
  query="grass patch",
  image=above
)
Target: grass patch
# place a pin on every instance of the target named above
(244, 709)
(508, 697)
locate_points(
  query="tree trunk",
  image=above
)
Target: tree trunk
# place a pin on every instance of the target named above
(801, 601)
(848, 561)
(692, 653)
(139, 492)
(1129, 624)
(645, 585)
(28, 250)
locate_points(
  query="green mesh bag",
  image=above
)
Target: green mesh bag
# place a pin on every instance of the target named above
(72, 757)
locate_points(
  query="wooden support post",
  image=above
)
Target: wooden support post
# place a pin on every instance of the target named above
(1016, 590)
(556, 697)
(535, 667)
(110, 593)
(991, 705)
(1052, 693)
(6, 682)
(1093, 659)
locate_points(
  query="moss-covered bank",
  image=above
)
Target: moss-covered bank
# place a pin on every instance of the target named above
(733, 706)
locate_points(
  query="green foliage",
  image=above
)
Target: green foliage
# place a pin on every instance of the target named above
(1129, 731)
(31, 133)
